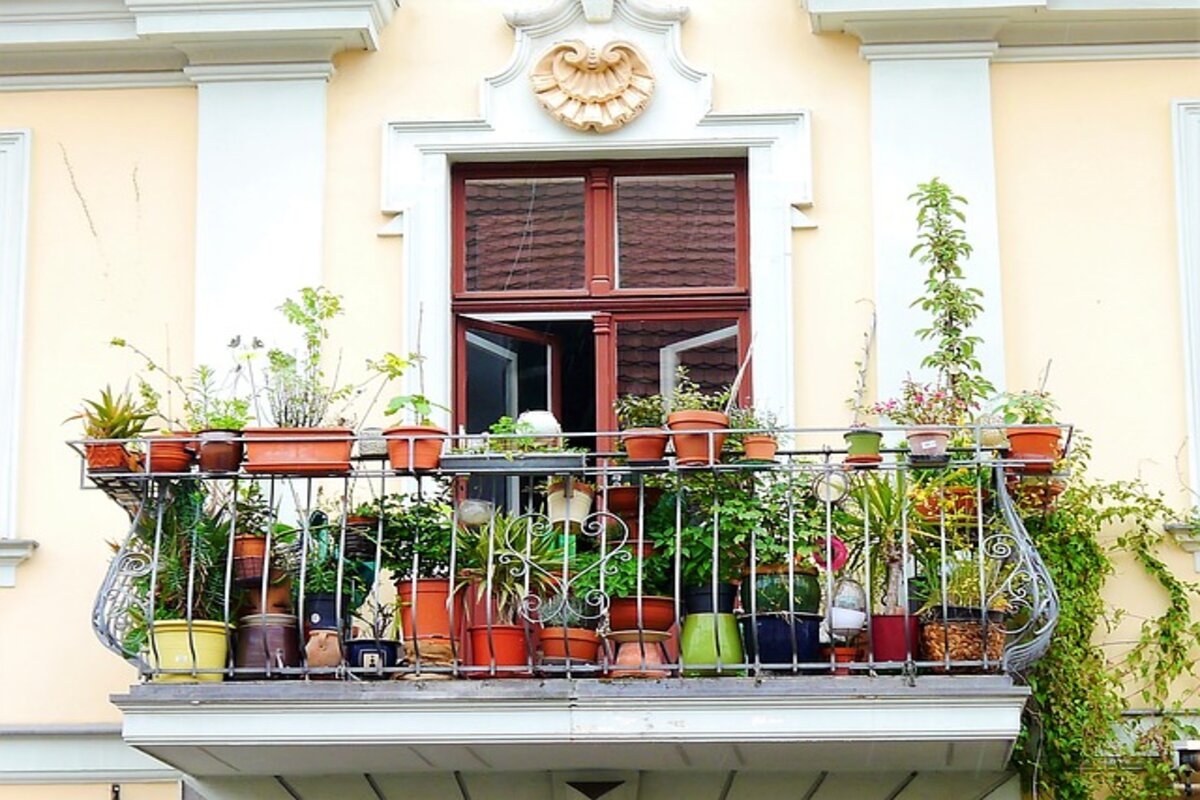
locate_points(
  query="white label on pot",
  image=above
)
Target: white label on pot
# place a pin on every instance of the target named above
(371, 660)
(929, 444)
(314, 618)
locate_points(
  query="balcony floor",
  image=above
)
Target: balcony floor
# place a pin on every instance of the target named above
(857, 724)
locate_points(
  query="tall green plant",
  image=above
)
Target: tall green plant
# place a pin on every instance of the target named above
(953, 306)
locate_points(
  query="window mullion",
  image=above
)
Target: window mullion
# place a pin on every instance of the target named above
(598, 230)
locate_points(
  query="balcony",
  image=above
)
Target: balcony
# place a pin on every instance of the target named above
(625, 615)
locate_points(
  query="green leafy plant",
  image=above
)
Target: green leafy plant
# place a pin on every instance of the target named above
(721, 513)
(208, 403)
(953, 306)
(418, 405)
(498, 558)
(621, 574)
(1034, 407)
(297, 393)
(254, 512)
(640, 411)
(418, 527)
(690, 396)
(112, 416)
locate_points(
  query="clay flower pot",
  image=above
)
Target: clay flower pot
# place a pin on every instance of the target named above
(170, 453)
(759, 447)
(249, 560)
(574, 511)
(577, 644)
(414, 447)
(432, 617)
(220, 450)
(693, 447)
(1038, 447)
(299, 451)
(658, 613)
(108, 458)
(503, 645)
(644, 444)
(928, 444)
(959, 503)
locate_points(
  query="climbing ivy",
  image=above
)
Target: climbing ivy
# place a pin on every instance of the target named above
(1077, 743)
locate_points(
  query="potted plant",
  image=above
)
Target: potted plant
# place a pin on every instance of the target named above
(417, 539)
(930, 411)
(963, 619)
(111, 417)
(638, 586)
(1036, 443)
(568, 502)
(949, 496)
(179, 623)
(759, 440)
(532, 442)
(695, 415)
(506, 563)
(254, 516)
(569, 616)
(862, 441)
(299, 398)
(376, 647)
(416, 446)
(641, 419)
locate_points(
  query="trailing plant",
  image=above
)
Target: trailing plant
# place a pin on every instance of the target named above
(952, 306)
(1076, 742)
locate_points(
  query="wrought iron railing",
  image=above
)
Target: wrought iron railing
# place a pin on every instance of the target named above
(515, 560)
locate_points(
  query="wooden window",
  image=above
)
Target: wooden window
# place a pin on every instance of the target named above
(629, 268)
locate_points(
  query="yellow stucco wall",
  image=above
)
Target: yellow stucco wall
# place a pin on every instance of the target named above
(763, 58)
(122, 267)
(1088, 227)
(91, 791)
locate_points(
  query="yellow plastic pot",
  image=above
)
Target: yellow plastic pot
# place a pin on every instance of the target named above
(171, 650)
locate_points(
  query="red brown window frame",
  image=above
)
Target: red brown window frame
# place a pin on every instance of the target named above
(600, 296)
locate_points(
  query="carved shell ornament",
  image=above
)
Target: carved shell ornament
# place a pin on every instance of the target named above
(590, 88)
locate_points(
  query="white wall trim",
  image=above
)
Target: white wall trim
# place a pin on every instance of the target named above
(1186, 134)
(1098, 52)
(93, 80)
(13, 552)
(927, 50)
(678, 122)
(64, 755)
(15, 149)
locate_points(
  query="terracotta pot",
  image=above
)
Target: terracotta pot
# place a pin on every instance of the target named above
(423, 451)
(1038, 447)
(928, 444)
(644, 444)
(641, 657)
(658, 613)
(694, 448)
(219, 450)
(507, 645)
(108, 458)
(299, 451)
(249, 560)
(759, 447)
(171, 453)
(578, 644)
(278, 599)
(623, 501)
(862, 446)
(432, 619)
(841, 655)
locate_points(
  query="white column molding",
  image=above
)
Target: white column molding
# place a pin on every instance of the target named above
(75, 754)
(931, 117)
(14, 226)
(12, 553)
(677, 122)
(259, 198)
(1186, 129)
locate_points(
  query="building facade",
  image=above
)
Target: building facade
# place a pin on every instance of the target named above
(171, 170)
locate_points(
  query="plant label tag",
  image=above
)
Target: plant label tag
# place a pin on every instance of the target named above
(371, 661)
(929, 444)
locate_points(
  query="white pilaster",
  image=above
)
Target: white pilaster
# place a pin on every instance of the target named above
(259, 198)
(1187, 187)
(931, 117)
(14, 217)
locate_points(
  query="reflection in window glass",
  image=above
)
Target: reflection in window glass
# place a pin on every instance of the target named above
(676, 231)
(524, 234)
(648, 351)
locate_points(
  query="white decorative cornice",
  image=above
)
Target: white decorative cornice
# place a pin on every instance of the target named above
(928, 50)
(12, 553)
(107, 43)
(1019, 25)
(1187, 536)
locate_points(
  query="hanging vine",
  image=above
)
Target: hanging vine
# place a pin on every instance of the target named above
(1077, 742)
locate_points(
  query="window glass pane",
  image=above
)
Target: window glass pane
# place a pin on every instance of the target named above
(676, 231)
(649, 350)
(524, 233)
